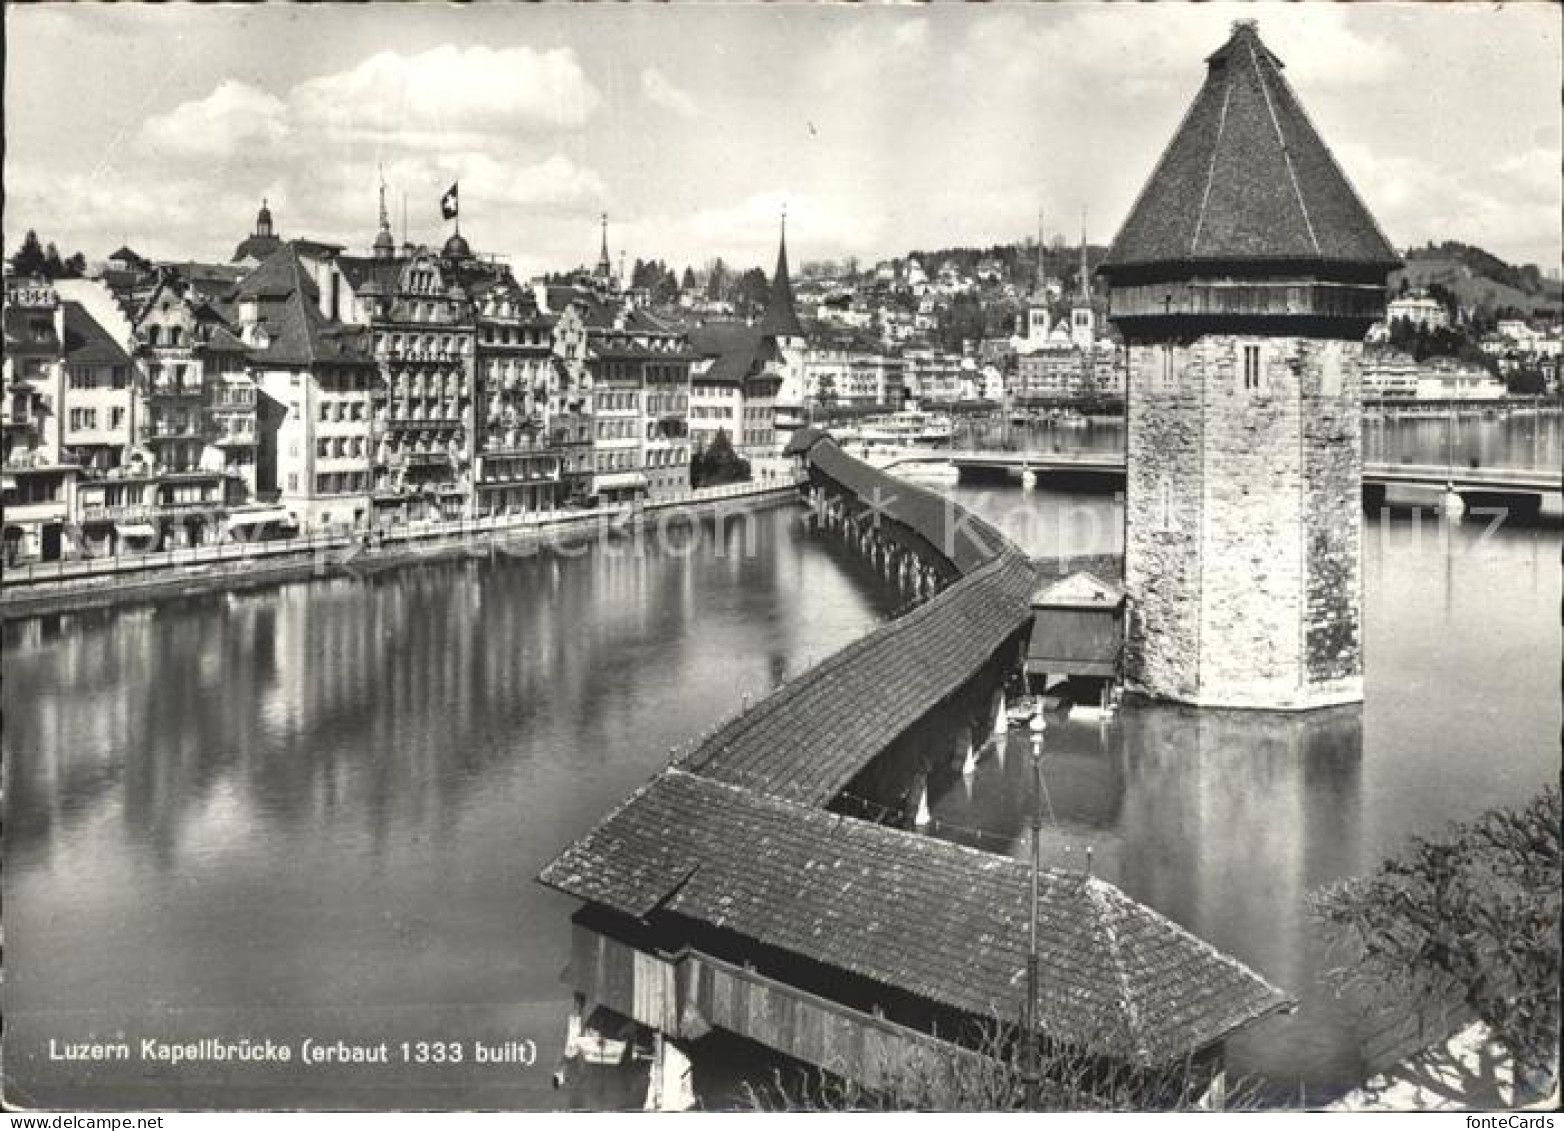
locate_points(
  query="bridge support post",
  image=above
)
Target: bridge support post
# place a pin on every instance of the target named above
(921, 817)
(967, 749)
(670, 1082)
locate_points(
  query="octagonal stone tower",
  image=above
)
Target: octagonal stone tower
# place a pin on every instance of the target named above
(1243, 282)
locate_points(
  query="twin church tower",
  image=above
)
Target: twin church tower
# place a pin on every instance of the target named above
(1243, 282)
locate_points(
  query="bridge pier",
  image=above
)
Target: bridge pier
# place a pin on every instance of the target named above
(921, 817)
(670, 1080)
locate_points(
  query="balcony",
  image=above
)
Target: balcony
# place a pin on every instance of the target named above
(164, 389)
(175, 430)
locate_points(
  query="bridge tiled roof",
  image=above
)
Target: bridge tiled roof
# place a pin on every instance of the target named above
(941, 921)
(964, 539)
(810, 737)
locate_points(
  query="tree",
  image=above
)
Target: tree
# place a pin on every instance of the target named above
(665, 290)
(29, 258)
(717, 280)
(53, 266)
(718, 463)
(1471, 918)
(75, 266)
(687, 284)
(753, 291)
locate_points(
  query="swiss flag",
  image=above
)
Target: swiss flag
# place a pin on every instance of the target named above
(448, 204)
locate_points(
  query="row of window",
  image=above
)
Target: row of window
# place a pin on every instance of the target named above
(610, 401)
(618, 429)
(97, 377)
(342, 447)
(338, 483)
(667, 404)
(618, 461)
(86, 419)
(337, 412)
(507, 336)
(175, 337)
(423, 344)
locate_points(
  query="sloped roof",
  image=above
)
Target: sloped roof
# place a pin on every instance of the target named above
(815, 733)
(258, 248)
(86, 342)
(781, 320)
(803, 439)
(298, 333)
(222, 341)
(361, 269)
(737, 350)
(124, 254)
(1247, 178)
(967, 541)
(941, 921)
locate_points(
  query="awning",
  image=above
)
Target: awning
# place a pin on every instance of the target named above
(135, 529)
(620, 481)
(255, 518)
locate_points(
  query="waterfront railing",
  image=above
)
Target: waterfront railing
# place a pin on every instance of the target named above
(342, 543)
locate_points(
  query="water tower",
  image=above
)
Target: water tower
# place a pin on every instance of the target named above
(1243, 282)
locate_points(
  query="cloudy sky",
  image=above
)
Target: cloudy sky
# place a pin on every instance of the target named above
(881, 128)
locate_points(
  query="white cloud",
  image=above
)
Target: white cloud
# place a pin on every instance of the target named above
(662, 92)
(473, 90)
(233, 118)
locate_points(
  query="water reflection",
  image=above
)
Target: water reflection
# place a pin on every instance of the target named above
(321, 805)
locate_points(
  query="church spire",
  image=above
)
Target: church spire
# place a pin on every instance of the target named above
(781, 320)
(385, 242)
(1042, 262)
(1086, 275)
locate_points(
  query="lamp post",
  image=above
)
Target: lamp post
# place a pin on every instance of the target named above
(1033, 1074)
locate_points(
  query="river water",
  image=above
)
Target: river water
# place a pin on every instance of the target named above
(315, 810)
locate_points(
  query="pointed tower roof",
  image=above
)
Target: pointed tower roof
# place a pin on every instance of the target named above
(1247, 179)
(781, 320)
(605, 267)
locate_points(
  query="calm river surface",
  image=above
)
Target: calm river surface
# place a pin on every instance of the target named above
(316, 810)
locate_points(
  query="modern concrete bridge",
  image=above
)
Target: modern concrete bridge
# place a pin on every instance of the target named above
(1477, 481)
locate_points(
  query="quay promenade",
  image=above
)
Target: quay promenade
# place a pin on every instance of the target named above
(37, 587)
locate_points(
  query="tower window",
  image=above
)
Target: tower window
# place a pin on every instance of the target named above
(1251, 367)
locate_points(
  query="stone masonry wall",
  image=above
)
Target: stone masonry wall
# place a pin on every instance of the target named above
(1251, 524)
(1333, 476)
(1162, 544)
(1243, 539)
